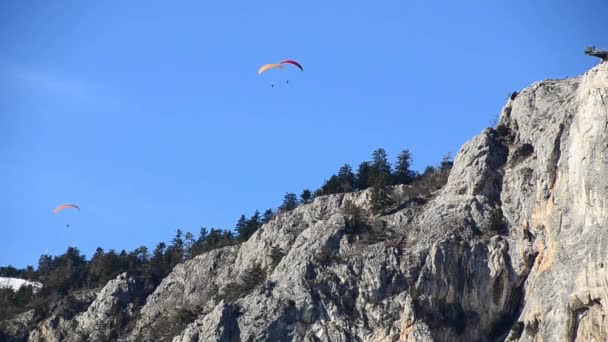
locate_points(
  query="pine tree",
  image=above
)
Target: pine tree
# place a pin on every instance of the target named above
(267, 216)
(214, 239)
(403, 174)
(290, 202)
(199, 245)
(379, 166)
(380, 162)
(96, 268)
(45, 267)
(69, 272)
(158, 268)
(142, 255)
(362, 177)
(446, 162)
(29, 272)
(227, 238)
(241, 226)
(255, 221)
(158, 255)
(188, 245)
(443, 171)
(175, 252)
(177, 241)
(331, 186)
(306, 196)
(10, 271)
(380, 197)
(246, 228)
(202, 235)
(346, 178)
(110, 265)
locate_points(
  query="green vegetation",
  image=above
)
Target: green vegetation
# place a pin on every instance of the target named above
(244, 285)
(290, 202)
(496, 222)
(516, 331)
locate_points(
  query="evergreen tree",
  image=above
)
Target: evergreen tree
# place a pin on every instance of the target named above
(202, 235)
(23, 296)
(9, 271)
(446, 162)
(241, 225)
(290, 202)
(188, 245)
(69, 272)
(332, 186)
(346, 178)
(110, 267)
(29, 273)
(443, 172)
(380, 196)
(137, 261)
(380, 162)
(199, 245)
(45, 267)
(141, 253)
(158, 258)
(96, 268)
(306, 196)
(255, 221)
(246, 228)
(379, 167)
(267, 216)
(218, 238)
(429, 171)
(227, 238)
(403, 174)
(214, 239)
(177, 241)
(175, 253)
(156, 269)
(362, 177)
(159, 251)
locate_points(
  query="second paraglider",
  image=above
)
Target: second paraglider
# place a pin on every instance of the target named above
(63, 207)
(279, 65)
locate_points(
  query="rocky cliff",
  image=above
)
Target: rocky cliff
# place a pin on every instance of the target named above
(512, 248)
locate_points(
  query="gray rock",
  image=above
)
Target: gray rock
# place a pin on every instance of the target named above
(108, 311)
(60, 324)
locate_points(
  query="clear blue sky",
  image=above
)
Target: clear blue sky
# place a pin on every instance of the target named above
(151, 115)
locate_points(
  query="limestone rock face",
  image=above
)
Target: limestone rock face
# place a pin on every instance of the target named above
(112, 306)
(60, 324)
(90, 315)
(557, 196)
(513, 247)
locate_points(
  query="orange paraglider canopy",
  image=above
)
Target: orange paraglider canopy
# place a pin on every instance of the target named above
(65, 206)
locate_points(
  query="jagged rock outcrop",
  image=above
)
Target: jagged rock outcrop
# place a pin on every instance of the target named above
(513, 247)
(90, 315)
(110, 311)
(18, 328)
(60, 324)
